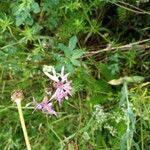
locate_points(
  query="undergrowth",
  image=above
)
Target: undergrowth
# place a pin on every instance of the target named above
(104, 45)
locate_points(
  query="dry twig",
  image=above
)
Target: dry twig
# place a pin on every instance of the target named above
(123, 47)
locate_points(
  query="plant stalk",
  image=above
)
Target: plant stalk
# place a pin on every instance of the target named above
(23, 125)
(141, 128)
(128, 118)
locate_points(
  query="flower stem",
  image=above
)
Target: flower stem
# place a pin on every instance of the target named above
(141, 128)
(128, 117)
(23, 125)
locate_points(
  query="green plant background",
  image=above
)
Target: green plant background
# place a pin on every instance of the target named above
(68, 33)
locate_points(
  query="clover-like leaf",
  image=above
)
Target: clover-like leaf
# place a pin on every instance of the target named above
(75, 62)
(77, 54)
(72, 42)
(35, 7)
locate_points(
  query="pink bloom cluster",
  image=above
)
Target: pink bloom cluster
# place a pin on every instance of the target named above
(62, 88)
(44, 106)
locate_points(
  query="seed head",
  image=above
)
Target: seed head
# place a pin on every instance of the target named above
(17, 96)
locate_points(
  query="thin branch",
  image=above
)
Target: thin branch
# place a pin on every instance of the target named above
(12, 44)
(132, 8)
(123, 47)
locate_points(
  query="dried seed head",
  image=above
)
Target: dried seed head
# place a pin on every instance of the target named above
(45, 45)
(17, 96)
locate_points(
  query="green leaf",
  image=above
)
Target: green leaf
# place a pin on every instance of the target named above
(134, 79)
(69, 67)
(66, 50)
(77, 54)
(75, 62)
(105, 71)
(35, 7)
(29, 20)
(72, 42)
(21, 18)
(62, 46)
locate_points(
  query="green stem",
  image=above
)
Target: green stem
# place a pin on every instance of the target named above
(23, 125)
(142, 144)
(128, 118)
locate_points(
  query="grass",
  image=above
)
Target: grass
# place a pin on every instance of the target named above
(104, 46)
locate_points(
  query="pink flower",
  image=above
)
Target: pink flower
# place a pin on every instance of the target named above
(61, 83)
(63, 90)
(44, 106)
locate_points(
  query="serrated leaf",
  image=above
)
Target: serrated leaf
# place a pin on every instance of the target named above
(29, 20)
(66, 50)
(72, 42)
(35, 7)
(62, 46)
(75, 62)
(21, 18)
(69, 67)
(77, 54)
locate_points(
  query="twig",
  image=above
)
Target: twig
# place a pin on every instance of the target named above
(123, 47)
(12, 44)
(132, 8)
(41, 15)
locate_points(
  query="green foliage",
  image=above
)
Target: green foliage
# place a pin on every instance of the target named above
(22, 11)
(71, 55)
(122, 14)
(93, 40)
